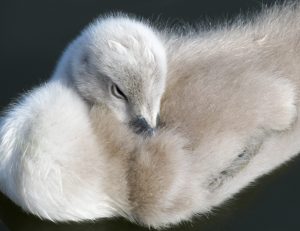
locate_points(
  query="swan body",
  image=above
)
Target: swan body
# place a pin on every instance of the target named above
(228, 105)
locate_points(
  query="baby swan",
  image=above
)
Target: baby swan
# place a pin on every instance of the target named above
(121, 63)
(230, 114)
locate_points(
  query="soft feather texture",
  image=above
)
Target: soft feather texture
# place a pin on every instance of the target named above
(117, 51)
(229, 113)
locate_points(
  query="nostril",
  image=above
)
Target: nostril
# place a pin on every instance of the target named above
(140, 126)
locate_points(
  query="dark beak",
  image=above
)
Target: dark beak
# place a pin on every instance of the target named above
(140, 126)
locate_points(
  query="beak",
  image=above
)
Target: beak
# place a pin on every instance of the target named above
(141, 126)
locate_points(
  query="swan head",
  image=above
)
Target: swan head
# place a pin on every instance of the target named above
(121, 62)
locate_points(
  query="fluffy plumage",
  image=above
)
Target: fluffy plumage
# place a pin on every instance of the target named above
(229, 113)
(121, 63)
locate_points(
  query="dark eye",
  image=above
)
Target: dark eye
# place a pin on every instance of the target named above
(116, 92)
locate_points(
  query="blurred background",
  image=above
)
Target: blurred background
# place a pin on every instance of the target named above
(34, 33)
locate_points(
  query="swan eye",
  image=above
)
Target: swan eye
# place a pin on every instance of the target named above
(116, 92)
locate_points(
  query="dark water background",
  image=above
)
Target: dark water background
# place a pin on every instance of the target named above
(33, 34)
